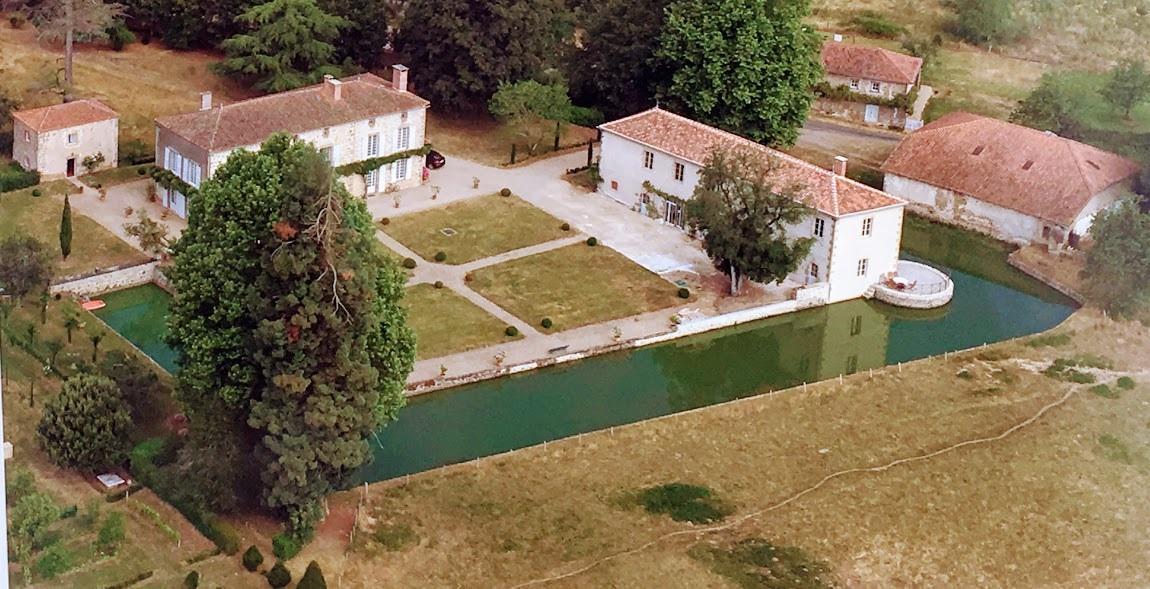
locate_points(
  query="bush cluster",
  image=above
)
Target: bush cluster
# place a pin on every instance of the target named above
(684, 503)
(409, 263)
(869, 22)
(285, 546)
(546, 323)
(438, 284)
(385, 221)
(684, 292)
(511, 331)
(592, 241)
(14, 177)
(440, 256)
(565, 227)
(505, 192)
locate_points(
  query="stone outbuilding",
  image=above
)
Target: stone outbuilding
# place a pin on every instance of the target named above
(55, 140)
(1012, 182)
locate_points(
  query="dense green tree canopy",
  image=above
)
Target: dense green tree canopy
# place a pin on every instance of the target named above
(616, 70)
(289, 45)
(1127, 86)
(1052, 106)
(745, 219)
(531, 108)
(186, 24)
(86, 425)
(986, 22)
(280, 279)
(24, 265)
(1117, 274)
(747, 66)
(461, 50)
(362, 39)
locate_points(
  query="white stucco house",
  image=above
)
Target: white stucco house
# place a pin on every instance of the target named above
(1012, 182)
(54, 140)
(874, 76)
(349, 120)
(857, 229)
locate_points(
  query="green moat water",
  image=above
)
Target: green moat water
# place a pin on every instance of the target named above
(992, 302)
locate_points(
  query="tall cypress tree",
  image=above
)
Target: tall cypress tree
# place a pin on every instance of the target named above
(66, 229)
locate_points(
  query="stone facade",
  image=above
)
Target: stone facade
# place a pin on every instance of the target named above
(57, 152)
(109, 281)
(868, 87)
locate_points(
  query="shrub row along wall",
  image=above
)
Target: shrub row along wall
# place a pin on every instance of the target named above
(109, 281)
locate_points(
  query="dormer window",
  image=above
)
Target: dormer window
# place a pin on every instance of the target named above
(978, 150)
(1029, 164)
(326, 132)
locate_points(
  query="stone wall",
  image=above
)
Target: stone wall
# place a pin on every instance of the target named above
(109, 281)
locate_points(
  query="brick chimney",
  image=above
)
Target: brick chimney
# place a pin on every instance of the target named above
(399, 77)
(332, 88)
(840, 166)
(205, 100)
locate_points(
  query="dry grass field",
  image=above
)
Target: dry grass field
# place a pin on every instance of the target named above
(1012, 479)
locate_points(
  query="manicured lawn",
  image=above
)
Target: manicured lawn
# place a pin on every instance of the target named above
(446, 323)
(482, 227)
(93, 247)
(114, 176)
(574, 286)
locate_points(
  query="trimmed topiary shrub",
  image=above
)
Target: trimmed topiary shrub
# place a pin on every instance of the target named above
(438, 284)
(279, 576)
(1125, 383)
(37, 192)
(565, 227)
(546, 323)
(285, 546)
(312, 578)
(253, 558)
(511, 331)
(505, 192)
(440, 256)
(591, 241)
(192, 581)
(143, 172)
(17, 20)
(409, 263)
(684, 292)
(385, 221)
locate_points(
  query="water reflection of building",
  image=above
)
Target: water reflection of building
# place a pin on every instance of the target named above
(780, 352)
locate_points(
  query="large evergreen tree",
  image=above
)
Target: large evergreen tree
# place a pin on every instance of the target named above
(289, 45)
(66, 229)
(363, 39)
(461, 50)
(616, 70)
(747, 66)
(86, 425)
(745, 219)
(309, 322)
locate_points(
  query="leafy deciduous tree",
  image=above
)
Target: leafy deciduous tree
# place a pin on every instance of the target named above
(152, 235)
(534, 110)
(289, 45)
(746, 66)
(139, 385)
(745, 219)
(1127, 86)
(461, 50)
(986, 22)
(1050, 107)
(616, 69)
(24, 265)
(30, 516)
(1117, 273)
(86, 426)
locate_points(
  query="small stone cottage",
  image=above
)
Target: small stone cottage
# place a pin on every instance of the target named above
(55, 140)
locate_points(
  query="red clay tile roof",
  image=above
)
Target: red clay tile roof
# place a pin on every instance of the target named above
(1035, 173)
(693, 141)
(870, 63)
(249, 122)
(63, 116)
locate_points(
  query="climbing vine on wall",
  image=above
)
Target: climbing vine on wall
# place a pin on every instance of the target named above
(362, 167)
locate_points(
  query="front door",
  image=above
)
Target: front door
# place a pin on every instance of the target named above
(871, 115)
(71, 169)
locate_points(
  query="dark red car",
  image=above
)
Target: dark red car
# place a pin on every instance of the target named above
(435, 160)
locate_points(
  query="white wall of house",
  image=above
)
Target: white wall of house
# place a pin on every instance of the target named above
(835, 253)
(999, 222)
(49, 152)
(865, 86)
(859, 260)
(349, 143)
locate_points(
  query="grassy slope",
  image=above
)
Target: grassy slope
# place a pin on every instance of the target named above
(93, 246)
(484, 227)
(575, 285)
(446, 323)
(1060, 503)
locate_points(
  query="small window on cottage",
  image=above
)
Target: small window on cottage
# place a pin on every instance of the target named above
(863, 266)
(326, 131)
(648, 160)
(814, 271)
(868, 225)
(679, 169)
(326, 153)
(856, 325)
(978, 150)
(373, 145)
(852, 364)
(614, 185)
(403, 139)
(27, 136)
(854, 84)
(73, 138)
(875, 87)
(1046, 232)
(820, 227)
